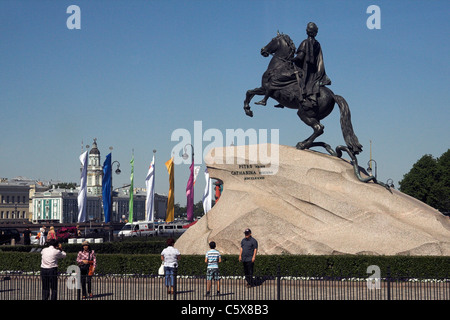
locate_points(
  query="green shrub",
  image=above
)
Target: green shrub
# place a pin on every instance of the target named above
(285, 265)
(149, 246)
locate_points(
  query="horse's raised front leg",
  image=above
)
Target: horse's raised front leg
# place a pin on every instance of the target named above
(249, 96)
(315, 125)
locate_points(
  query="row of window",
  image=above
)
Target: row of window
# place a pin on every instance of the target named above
(14, 199)
(13, 215)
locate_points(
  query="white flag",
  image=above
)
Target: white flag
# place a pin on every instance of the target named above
(83, 191)
(150, 185)
(196, 171)
(207, 195)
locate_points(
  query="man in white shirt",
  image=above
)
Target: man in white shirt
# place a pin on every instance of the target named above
(170, 257)
(49, 268)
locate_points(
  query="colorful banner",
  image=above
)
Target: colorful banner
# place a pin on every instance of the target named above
(82, 195)
(196, 171)
(107, 188)
(207, 194)
(190, 193)
(170, 200)
(150, 185)
(131, 201)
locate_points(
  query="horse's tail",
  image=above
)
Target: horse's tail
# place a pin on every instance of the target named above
(346, 125)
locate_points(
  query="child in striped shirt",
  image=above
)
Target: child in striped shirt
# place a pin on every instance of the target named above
(212, 258)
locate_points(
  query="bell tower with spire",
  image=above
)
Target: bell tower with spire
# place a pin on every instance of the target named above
(94, 171)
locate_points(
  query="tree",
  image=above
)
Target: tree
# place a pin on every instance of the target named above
(66, 185)
(429, 181)
(441, 189)
(180, 212)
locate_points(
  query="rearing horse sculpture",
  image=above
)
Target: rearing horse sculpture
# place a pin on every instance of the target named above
(281, 83)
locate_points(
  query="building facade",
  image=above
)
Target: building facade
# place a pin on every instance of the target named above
(120, 207)
(15, 195)
(94, 172)
(24, 200)
(61, 206)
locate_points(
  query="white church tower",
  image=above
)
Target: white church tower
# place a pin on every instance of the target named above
(94, 171)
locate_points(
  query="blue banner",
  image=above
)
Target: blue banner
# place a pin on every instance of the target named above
(107, 188)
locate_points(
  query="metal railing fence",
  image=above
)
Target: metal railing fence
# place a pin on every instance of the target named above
(15, 286)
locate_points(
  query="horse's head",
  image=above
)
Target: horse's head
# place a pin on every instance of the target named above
(281, 45)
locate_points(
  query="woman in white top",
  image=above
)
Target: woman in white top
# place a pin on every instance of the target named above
(170, 256)
(42, 236)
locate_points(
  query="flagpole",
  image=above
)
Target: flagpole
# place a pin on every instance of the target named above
(131, 199)
(153, 186)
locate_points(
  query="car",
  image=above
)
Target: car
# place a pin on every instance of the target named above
(7, 234)
(138, 229)
(95, 234)
(171, 229)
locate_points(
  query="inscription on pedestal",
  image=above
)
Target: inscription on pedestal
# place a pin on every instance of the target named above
(252, 171)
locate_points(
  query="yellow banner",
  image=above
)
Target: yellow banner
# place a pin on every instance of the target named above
(170, 201)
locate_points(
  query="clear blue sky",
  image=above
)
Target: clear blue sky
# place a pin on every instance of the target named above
(138, 70)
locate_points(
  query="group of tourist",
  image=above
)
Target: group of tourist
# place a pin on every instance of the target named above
(247, 255)
(43, 235)
(86, 260)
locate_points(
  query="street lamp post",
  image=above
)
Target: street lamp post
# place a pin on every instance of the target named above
(390, 183)
(118, 168)
(117, 171)
(185, 156)
(369, 168)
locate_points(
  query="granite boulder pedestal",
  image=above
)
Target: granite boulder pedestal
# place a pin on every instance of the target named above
(308, 202)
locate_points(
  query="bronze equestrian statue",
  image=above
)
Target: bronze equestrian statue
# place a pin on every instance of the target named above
(298, 82)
